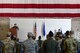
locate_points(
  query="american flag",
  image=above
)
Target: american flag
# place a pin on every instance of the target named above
(35, 29)
(39, 8)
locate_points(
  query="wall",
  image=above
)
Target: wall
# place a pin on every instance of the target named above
(75, 23)
(26, 25)
(4, 27)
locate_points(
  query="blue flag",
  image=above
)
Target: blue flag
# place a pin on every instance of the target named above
(43, 29)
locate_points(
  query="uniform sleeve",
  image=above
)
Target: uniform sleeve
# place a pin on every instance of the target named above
(75, 44)
(36, 46)
(65, 45)
(23, 46)
(44, 45)
(56, 47)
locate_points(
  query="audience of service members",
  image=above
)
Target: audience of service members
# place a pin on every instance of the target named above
(61, 43)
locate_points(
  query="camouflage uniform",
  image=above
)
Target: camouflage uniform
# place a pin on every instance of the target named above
(9, 45)
(18, 47)
(70, 45)
(29, 46)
